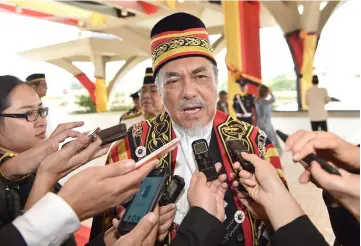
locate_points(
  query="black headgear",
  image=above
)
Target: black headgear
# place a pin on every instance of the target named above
(242, 82)
(135, 95)
(148, 77)
(35, 78)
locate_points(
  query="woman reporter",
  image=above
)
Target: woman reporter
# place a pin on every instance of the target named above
(22, 136)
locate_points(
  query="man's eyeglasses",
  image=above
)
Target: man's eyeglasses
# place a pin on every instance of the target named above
(30, 116)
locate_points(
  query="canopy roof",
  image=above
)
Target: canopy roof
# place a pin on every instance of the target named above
(129, 20)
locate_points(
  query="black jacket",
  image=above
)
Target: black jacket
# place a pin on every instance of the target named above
(10, 236)
(345, 227)
(198, 228)
(300, 232)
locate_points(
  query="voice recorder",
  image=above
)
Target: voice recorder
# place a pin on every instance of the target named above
(236, 147)
(172, 192)
(204, 159)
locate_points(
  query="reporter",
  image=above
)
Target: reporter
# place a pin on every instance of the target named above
(291, 225)
(61, 163)
(144, 234)
(166, 217)
(201, 226)
(342, 196)
(327, 145)
(84, 195)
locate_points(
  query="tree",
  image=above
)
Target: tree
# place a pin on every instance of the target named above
(86, 103)
(282, 82)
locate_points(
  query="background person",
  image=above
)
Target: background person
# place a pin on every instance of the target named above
(37, 81)
(243, 103)
(316, 100)
(222, 103)
(264, 102)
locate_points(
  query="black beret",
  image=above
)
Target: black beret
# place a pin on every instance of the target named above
(35, 77)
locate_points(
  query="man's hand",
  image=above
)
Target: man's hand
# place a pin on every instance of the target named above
(327, 145)
(209, 196)
(166, 217)
(268, 197)
(97, 189)
(109, 235)
(144, 234)
(345, 188)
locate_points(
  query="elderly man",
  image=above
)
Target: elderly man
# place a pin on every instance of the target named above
(149, 105)
(186, 75)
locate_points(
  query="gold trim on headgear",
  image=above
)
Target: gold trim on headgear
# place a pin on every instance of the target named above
(177, 36)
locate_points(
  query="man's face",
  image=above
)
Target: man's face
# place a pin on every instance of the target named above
(150, 100)
(244, 88)
(136, 102)
(224, 98)
(189, 91)
(40, 87)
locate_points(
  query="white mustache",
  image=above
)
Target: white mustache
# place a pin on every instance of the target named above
(194, 102)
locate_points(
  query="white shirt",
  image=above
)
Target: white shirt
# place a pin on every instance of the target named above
(316, 99)
(186, 165)
(49, 222)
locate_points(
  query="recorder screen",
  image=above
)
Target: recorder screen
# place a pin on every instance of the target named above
(200, 148)
(143, 199)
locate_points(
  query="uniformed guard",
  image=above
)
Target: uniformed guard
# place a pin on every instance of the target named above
(133, 112)
(243, 103)
(185, 72)
(148, 103)
(38, 82)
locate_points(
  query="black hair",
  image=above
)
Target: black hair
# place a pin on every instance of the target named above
(222, 93)
(7, 84)
(262, 92)
(315, 79)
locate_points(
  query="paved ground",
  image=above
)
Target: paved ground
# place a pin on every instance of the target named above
(308, 195)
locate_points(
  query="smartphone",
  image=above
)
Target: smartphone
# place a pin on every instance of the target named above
(158, 153)
(144, 200)
(306, 162)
